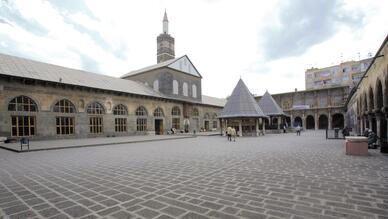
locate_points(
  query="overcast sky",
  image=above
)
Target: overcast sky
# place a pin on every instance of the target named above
(269, 44)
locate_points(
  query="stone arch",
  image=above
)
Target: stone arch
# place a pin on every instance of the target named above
(141, 111)
(323, 122)
(338, 120)
(158, 112)
(22, 104)
(176, 111)
(378, 95)
(64, 106)
(310, 122)
(95, 108)
(120, 109)
(298, 121)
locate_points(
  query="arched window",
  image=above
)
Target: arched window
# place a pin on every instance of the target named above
(95, 108)
(120, 110)
(156, 85)
(22, 104)
(22, 125)
(195, 112)
(158, 112)
(64, 106)
(206, 116)
(141, 111)
(175, 86)
(185, 89)
(141, 121)
(214, 116)
(64, 124)
(95, 121)
(194, 90)
(175, 111)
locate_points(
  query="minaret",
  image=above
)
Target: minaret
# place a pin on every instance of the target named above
(165, 43)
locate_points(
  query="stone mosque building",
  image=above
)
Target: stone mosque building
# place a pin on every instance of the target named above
(45, 101)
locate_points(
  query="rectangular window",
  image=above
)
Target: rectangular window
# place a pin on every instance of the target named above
(176, 123)
(141, 124)
(120, 124)
(214, 124)
(95, 125)
(22, 126)
(65, 125)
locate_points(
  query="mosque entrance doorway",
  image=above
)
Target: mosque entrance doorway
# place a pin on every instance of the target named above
(207, 125)
(158, 126)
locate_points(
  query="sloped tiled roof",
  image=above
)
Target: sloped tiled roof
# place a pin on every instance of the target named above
(172, 63)
(213, 101)
(25, 68)
(241, 104)
(269, 105)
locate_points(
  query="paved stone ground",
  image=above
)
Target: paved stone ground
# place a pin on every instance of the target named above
(275, 176)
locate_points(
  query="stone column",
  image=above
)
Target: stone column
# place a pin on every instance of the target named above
(329, 120)
(378, 123)
(240, 127)
(226, 126)
(257, 127)
(361, 125)
(304, 121)
(292, 121)
(370, 121)
(316, 121)
(263, 128)
(279, 121)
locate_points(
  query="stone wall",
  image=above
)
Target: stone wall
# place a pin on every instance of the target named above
(46, 95)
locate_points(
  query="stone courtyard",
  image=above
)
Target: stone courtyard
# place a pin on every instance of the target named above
(274, 176)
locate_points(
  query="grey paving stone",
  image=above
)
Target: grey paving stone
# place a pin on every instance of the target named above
(49, 212)
(22, 215)
(276, 175)
(153, 204)
(15, 209)
(77, 211)
(192, 215)
(253, 215)
(217, 214)
(173, 211)
(147, 213)
(122, 215)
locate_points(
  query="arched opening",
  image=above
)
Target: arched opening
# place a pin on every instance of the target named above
(371, 100)
(24, 122)
(141, 121)
(379, 95)
(288, 121)
(95, 111)
(338, 121)
(158, 115)
(176, 113)
(323, 122)
(310, 123)
(298, 121)
(65, 124)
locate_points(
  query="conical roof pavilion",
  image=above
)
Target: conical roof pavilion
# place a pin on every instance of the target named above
(241, 104)
(269, 105)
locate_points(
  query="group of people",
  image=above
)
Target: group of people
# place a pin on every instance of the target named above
(231, 133)
(372, 138)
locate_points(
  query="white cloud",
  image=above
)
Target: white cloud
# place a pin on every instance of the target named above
(222, 38)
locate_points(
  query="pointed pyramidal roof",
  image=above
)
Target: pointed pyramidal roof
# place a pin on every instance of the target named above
(269, 105)
(241, 104)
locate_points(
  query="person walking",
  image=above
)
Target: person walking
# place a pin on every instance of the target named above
(298, 130)
(234, 134)
(229, 133)
(284, 128)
